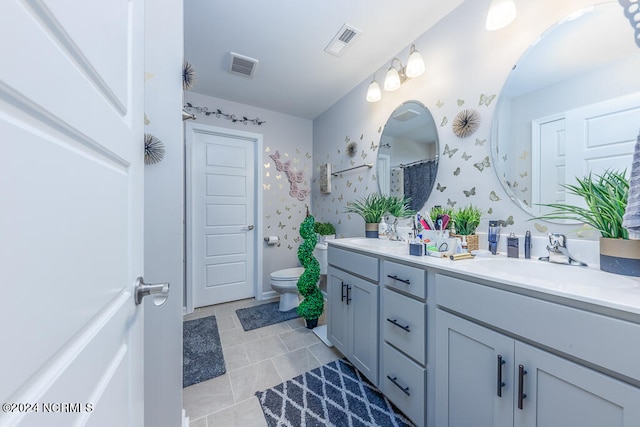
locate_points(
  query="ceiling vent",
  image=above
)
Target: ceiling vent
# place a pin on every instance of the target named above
(345, 37)
(405, 115)
(242, 65)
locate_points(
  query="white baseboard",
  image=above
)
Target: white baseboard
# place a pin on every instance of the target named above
(267, 295)
(185, 419)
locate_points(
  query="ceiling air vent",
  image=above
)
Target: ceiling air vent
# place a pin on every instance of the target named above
(242, 65)
(345, 37)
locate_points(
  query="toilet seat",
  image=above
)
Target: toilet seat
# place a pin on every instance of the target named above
(287, 274)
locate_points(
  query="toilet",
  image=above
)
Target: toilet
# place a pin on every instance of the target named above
(285, 282)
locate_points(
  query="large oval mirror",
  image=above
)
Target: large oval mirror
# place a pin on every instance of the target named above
(408, 154)
(570, 106)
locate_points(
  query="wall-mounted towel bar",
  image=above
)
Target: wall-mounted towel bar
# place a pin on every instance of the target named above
(366, 165)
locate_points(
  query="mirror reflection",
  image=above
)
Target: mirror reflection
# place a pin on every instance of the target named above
(570, 106)
(408, 154)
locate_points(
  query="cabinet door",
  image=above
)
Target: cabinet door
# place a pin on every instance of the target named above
(467, 357)
(364, 316)
(562, 393)
(338, 321)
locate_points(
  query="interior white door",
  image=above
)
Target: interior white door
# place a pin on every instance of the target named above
(71, 121)
(549, 162)
(222, 216)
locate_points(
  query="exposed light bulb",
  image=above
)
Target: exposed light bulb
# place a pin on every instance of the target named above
(374, 94)
(392, 80)
(415, 63)
(501, 13)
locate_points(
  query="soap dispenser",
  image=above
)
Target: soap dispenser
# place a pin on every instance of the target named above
(494, 236)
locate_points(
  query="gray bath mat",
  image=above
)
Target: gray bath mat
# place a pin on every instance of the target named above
(335, 394)
(263, 315)
(201, 351)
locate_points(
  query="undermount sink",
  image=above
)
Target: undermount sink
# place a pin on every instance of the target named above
(552, 272)
(378, 243)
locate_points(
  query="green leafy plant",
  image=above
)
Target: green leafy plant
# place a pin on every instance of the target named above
(372, 207)
(312, 305)
(466, 220)
(439, 210)
(324, 228)
(606, 198)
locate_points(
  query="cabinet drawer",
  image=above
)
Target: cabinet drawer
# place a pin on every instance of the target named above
(407, 390)
(406, 278)
(359, 264)
(404, 324)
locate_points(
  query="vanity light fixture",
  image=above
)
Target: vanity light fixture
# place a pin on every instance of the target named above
(374, 94)
(397, 75)
(501, 13)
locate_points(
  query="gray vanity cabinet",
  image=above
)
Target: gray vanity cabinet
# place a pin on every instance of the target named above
(353, 310)
(491, 378)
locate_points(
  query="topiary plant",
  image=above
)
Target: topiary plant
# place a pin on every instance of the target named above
(324, 228)
(312, 305)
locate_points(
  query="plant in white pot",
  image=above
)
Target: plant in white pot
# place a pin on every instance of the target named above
(325, 231)
(606, 198)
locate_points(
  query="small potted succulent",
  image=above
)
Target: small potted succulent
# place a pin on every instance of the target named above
(465, 222)
(372, 208)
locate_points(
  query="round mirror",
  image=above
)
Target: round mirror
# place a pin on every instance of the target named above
(570, 106)
(408, 154)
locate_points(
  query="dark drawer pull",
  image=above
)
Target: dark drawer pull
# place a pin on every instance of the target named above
(405, 390)
(348, 294)
(500, 382)
(395, 322)
(407, 281)
(343, 288)
(521, 395)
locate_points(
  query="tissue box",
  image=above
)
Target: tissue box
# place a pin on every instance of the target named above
(416, 249)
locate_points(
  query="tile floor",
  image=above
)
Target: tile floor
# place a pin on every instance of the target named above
(255, 360)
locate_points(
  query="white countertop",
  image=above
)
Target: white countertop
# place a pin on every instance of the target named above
(585, 284)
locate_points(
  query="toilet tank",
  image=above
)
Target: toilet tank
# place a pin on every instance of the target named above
(320, 252)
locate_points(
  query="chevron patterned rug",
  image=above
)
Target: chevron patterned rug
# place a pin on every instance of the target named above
(335, 394)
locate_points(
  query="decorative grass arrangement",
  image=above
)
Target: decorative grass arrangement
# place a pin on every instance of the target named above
(324, 228)
(312, 305)
(466, 220)
(606, 197)
(372, 207)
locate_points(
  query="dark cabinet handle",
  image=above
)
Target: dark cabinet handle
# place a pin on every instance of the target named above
(500, 383)
(521, 395)
(348, 294)
(342, 296)
(394, 277)
(395, 322)
(405, 390)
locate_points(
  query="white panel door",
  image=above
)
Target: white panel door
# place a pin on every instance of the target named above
(71, 99)
(602, 136)
(549, 163)
(222, 215)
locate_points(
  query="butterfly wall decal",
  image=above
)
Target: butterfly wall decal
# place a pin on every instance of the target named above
(490, 211)
(449, 151)
(466, 156)
(457, 171)
(471, 192)
(440, 188)
(483, 164)
(523, 174)
(439, 104)
(460, 102)
(444, 121)
(451, 203)
(480, 142)
(524, 155)
(507, 222)
(493, 196)
(486, 99)
(541, 228)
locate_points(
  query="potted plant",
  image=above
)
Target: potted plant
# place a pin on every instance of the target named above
(606, 198)
(312, 305)
(325, 231)
(372, 207)
(466, 220)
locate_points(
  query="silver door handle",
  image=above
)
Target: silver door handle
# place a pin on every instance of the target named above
(160, 291)
(250, 227)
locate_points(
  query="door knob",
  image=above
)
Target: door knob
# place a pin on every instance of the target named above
(250, 227)
(160, 291)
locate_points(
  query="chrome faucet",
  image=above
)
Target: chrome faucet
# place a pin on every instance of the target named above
(391, 222)
(558, 251)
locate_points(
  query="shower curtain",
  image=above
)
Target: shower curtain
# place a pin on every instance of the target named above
(418, 182)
